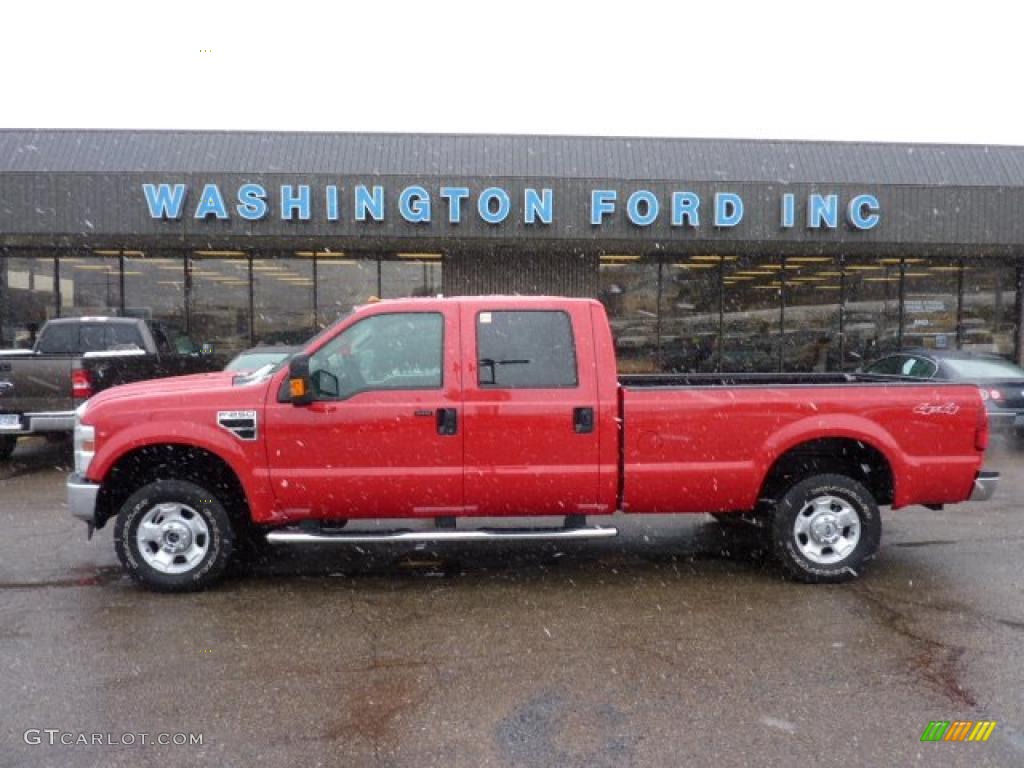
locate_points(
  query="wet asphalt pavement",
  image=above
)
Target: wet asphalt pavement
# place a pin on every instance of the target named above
(674, 644)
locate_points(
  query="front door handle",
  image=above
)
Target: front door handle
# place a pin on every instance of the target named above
(447, 421)
(582, 420)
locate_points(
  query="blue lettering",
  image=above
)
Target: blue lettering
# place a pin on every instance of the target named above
(538, 206)
(369, 204)
(293, 202)
(332, 202)
(728, 209)
(863, 212)
(648, 201)
(483, 205)
(602, 203)
(414, 205)
(685, 209)
(788, 210)
(822, 210)
(454, 196)
(252, 203)
(164, 201)
(211, 202)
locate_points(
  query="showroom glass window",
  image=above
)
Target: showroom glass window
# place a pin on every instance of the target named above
(989, 298)
(628, 288)
(219, 302)
(689, 312)
(752, 313)
(812, 296)
(930, 289)
(28, 298)
(872, 305)
(90, 285)
(410, 275)
(342, 282)
(282, 299)
(154, 289)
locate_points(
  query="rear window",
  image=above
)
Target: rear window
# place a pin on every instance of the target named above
(59, 339)
(984, 369)
(525, 350)
(100, 337)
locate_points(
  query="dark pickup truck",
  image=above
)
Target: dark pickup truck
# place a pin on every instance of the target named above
(73, 358)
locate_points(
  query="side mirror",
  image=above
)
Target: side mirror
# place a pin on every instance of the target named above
(300, 389)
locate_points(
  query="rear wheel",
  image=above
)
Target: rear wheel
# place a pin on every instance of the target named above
(7, 445)
(826, 528)
(174, 536)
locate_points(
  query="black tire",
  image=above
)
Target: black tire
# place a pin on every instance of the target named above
(218, 543)
(828, 564)
(7, 445)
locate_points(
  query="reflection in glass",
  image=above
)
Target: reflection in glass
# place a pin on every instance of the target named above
(94, 283)
(871, 322)
(220, 304)
(28, 299)
(282, 300)
(628, 288)
(690, 315)
(811, 340)
(929, 303)
(154, 289)
(990, 295)
(341, 284)
(752, 311)
(400, 278)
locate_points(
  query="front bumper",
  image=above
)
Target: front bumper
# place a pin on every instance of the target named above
(984, 486)
(82, 499)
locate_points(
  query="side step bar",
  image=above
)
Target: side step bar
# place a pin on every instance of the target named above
(295, 536)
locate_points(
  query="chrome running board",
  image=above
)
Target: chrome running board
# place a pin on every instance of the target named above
(295, 536)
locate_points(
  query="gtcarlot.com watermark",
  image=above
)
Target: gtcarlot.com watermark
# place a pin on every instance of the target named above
(55, 737)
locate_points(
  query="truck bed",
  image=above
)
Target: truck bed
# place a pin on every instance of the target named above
(645, 380)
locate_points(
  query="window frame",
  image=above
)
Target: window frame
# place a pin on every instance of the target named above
(572, 343)
(349, 396)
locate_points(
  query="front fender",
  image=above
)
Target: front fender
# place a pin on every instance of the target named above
(244, 458)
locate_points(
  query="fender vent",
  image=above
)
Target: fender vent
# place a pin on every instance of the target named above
(241, 423)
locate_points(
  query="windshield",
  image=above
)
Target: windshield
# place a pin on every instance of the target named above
(983, 368)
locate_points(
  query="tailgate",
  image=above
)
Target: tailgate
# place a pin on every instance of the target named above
(36, 384)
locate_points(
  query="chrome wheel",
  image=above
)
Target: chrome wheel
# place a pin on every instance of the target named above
(173, 538)
(827, 529)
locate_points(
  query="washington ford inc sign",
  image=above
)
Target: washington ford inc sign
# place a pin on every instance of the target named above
(494, 205)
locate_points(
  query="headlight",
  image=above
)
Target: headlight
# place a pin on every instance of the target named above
(85, 445)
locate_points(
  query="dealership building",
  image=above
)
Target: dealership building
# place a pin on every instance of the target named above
(709, 254)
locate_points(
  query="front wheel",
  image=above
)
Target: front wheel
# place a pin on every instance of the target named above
(826, 528)
(174, 536)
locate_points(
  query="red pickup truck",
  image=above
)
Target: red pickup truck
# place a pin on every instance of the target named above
(435, 413)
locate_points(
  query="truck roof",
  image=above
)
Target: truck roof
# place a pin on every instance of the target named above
(95, 319)
(497, 299)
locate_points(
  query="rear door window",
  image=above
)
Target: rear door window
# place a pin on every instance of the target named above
(59, 339)
(525, 350)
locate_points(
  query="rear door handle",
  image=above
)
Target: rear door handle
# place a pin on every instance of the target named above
(582, 420)
(447, 421)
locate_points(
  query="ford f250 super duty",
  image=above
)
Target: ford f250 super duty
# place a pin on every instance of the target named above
(434, 413)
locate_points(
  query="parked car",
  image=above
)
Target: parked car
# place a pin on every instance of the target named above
(72, 359)
(1000, 382)
(257, 357)
(433, 413)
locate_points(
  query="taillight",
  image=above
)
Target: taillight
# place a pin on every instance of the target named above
(81, 385)
(981, 431)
